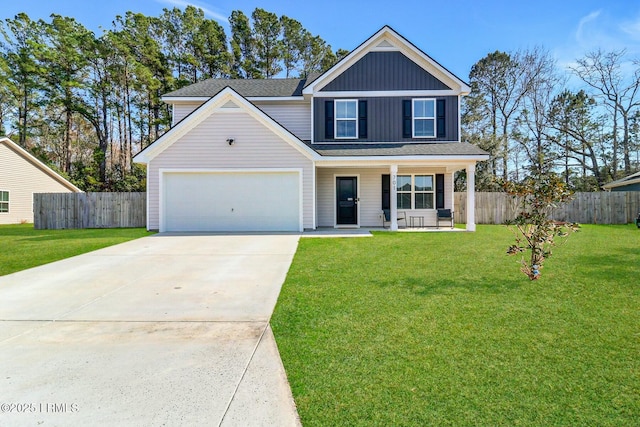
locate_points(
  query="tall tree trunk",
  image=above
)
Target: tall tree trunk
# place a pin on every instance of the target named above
(67, 141)
(614, 162)
(22, 120)
(625, 144)
(505, 150)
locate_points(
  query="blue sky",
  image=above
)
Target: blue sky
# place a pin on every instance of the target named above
(455, 33)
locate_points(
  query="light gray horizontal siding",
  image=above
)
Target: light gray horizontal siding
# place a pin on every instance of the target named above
(370, 185)
(182, 110)
(294, 116)
(21, 178)
(205, 147)
(384, 120)
(385, 71)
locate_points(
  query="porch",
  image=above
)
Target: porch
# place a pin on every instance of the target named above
(354, 197)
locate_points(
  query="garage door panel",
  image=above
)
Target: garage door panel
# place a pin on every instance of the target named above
(232, 201)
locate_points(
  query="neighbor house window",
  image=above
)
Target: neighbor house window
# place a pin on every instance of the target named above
(346, 121)
(4, 201)
(424, 118)
(415, 191)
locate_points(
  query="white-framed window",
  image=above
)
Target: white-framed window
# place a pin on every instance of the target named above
(346, 121)
(423, 121)
(415, 192)
(4, 201)
(404, 189)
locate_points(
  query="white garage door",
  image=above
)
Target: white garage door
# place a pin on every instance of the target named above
(231, 201)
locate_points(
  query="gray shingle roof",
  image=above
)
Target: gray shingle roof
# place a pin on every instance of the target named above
(397, 149)
(245, 87)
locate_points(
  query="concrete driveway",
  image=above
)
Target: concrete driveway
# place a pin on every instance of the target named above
(163, 330)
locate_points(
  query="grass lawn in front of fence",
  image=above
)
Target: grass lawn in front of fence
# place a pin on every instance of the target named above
(24, 247)
(409, 329)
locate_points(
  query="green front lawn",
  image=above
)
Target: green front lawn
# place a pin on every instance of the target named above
(441, 329)
(23, 247)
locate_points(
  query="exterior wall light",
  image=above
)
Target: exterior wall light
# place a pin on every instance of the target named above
(231, 141)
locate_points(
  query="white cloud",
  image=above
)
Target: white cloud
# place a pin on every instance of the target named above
(631, 28)
(585, 22)
(207, 11)
(599, 29)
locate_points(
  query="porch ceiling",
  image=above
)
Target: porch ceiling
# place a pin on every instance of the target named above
(447, 166)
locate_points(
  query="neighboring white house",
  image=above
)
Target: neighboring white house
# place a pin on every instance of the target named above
(376, 134)
(22, 175)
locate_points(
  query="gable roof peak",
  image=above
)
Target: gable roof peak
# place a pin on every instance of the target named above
(225, 99)
(27, 156)
(397, 42)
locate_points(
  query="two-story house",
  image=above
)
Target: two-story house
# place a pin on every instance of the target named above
(379, 130)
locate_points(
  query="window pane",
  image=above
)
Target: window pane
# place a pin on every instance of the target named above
(424, 127)
(424, 200)
(404, 183)
(4, 201)
(424, 183)
(345, 129)
(429, 108)
(346, 109)
(423, 108)
(404, 200)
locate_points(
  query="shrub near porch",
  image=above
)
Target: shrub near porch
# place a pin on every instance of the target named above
(442, 329)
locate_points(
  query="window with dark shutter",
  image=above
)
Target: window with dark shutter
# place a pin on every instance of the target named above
(406, 118)
(328, 119)
(441, 123)
(362, 119)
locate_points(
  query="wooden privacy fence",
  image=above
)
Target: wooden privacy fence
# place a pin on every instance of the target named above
(89, 210)
(616, 207)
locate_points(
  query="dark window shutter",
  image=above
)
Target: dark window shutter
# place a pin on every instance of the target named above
(328, 119)
(406, 118)
(439, 191)
(441, 123)
(386, 192)
(362, 119)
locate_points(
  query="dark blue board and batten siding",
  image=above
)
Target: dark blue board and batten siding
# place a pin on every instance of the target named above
(384, 71)
(380, 71)
(385, 120)
(628, 187)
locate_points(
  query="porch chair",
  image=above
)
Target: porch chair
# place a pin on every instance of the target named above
(445, 215)
(386, 217)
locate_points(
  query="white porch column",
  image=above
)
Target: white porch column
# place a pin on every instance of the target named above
(471, 197)
(393, 197)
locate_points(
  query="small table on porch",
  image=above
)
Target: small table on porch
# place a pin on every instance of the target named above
(418, 219)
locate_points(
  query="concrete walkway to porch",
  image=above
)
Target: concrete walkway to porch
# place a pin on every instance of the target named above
(366, 231)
